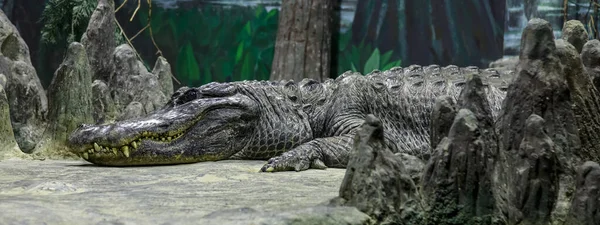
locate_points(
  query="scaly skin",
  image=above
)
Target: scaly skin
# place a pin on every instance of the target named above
(296, 126)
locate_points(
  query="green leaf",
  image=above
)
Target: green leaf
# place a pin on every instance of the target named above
(272, 13)
(373, 62)
(354, 68)
(392, 65)
(240, 52)
(385, 58)
(247, 72)
(248, 28)
(207, 76)
(187, 66)
(355, 58)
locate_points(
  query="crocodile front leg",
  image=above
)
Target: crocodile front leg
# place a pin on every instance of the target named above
(319, 153)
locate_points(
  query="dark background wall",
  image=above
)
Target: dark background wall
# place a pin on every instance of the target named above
(227, 40)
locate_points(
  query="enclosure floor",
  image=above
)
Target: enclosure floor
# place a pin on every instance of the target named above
(76, 192)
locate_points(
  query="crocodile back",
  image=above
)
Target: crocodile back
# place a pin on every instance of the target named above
(403, 98)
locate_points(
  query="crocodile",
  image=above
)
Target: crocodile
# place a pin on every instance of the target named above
(293, 125)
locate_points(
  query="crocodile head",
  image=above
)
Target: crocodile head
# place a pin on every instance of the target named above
(213, 122)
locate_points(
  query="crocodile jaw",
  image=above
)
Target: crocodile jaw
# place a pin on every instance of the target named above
(195, 131)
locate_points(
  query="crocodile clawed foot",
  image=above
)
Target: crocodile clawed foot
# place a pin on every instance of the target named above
(291, 161)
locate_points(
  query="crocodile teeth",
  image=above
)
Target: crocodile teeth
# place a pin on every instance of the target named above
(114, 150)
(91, 151)
(134, 145)
(169, 138)
(85, 155)
(97, 147)
(125, 150)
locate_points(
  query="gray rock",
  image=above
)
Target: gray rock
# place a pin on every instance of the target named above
(70, 95)
(162, 69)
(413, 165)
(574, 32)
(26, 97)
(104, 106)
(457, 182)
(585, 207)
(586, 99)
(308, 216)
(442, 118)
(538, 88)
(534, 190)
(99, 40)
(508, 63)
(474, 98)
(376, 182)
(130, 81)
(133, 110)
(183, 194)
(590, 56)
(8, 145)
(2, 80)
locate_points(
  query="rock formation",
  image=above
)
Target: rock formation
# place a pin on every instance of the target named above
(457, 181)
(539, 88)
(534, 189)
(586, 101)
(99, 40)
(442, 118)
(26, 97)
(590, 56)
(8, 145)
(70, 105)
(585, 207)
(162, 70)
(376, 182)
(574, 32)
(104, 106)
(130, 81)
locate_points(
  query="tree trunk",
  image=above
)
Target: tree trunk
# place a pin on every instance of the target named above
(303, 46)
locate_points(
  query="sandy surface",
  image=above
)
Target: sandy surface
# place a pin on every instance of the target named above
(76, 192)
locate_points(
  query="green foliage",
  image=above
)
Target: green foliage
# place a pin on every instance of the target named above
(65, 21)
(362, 58)
(216, 44)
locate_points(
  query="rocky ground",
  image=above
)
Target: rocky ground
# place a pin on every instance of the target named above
(226, 192)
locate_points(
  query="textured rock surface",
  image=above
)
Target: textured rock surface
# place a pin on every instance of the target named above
(413, 166)
(376, 181)
(442, 118)
(585, 207)
(75, 192)
(534, 189)
(99, 40)
(133, 110)
(457, 182)
(590, 56)
(162, 70)
(130, 81)
(540, 88)
(26, 97)
(70, 105)
(574, 32)
(307, 216)
(104, 106)
(8, 145)
(509, 63)
(586, 99)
